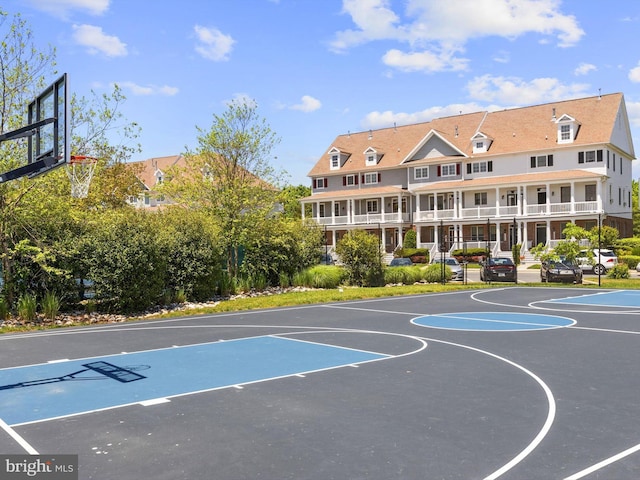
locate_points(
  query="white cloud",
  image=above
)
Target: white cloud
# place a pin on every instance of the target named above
(584, 69)
(213, 44)
(136, 89)
(388, 118)
(634, 74)
(516, 91)
(423, 61)
(436, 29)
(490, 93)
(97, 41)
(308, 104)
(62, 8)
(633, 110)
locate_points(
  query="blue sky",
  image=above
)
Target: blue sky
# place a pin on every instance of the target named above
(320, 68)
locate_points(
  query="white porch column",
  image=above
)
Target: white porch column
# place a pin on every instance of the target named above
(400, 208)
(333, 238)
(497, 201)
(302, 205)
(318, 211)
(525, 236)
(333, 212)
(435, 205)
(418, 235)
(599, 195)
(524, 200)
(417, 214)
(573, 197)
(548, 223)
(400, 239)
(548, 202)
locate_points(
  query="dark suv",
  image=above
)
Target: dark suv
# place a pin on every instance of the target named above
(560, 270)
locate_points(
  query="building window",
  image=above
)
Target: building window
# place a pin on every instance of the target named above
(448, 170)
(565, 194)
(542, 161)
(321, 210)
(335, 162)
(477, 233)
(420, 173)
(371, 160)
(372, 206)
(565, 132)
(320, 183)
(480, 198)
(370, 178)
(591, 156)
(590, 193)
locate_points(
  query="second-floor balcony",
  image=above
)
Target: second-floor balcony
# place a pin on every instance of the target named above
(483, 212)
(366, 218)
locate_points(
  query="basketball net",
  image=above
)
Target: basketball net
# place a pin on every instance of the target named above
(80, 172)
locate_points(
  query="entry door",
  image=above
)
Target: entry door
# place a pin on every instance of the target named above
(541, 233)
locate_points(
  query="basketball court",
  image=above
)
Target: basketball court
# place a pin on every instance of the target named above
(506, 383)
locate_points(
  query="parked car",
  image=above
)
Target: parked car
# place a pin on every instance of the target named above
(499, 269)
(590, 260)
(560, 270)
(457, 273)
(401, 262)
(326, 259)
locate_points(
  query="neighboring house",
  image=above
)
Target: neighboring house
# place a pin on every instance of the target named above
(486, 178)
(152, 173)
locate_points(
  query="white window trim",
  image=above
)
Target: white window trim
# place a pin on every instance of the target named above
(331, 159)
(353, 180)
(372, 159)
(479, 167)
(371, 178)
(374, 203)
(448, 167)
(422, 176)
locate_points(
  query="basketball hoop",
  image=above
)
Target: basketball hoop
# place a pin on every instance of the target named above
(80, 171)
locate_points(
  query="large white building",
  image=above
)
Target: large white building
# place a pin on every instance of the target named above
(504, 177)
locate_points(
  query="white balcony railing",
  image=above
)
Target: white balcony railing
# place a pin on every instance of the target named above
(479, 212)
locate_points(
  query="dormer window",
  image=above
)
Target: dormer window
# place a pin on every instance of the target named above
(371, 157)
(337, 158)
(481, 143)
(159, 177)
(567, 129)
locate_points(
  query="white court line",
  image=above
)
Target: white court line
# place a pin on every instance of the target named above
(603, 463)
(488, 320)
(19, 440)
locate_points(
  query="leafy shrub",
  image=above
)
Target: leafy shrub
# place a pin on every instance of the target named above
(50, 305)
(470, 255)
(631, 260)
(433, 273)
(27, 305)
(320, 276)
(4, 309)
(621, 270)
(410, 239)
(406, 252)
(404, 275)
(360, 254)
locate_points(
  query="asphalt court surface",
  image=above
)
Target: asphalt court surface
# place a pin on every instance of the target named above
(510, 383)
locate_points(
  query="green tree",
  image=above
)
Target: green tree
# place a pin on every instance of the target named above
(188, 241)
(289, 198)
(126, 261)
(360, 253)
(229, 176)
(281, 246)
(40, 211)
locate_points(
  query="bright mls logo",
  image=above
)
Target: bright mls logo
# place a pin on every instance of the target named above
(50, 467)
